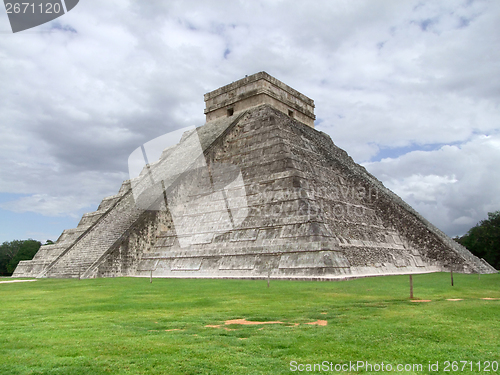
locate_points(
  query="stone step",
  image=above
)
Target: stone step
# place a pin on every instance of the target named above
(98, 240)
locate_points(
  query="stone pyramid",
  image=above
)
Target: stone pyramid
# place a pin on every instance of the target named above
(256, 192)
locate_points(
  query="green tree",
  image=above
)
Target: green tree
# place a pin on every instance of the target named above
(7, 251)
(11, 253)
(483, 240)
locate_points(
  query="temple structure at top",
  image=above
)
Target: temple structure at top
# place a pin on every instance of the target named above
(257, 89)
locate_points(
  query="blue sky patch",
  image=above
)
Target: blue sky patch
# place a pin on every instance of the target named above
(395, 152)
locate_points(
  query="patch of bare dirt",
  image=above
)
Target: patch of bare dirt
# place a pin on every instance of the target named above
(218, 326)
(249, 322)
(319, 323)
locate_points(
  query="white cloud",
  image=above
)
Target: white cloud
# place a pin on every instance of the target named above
(46, 205)
(454, 186)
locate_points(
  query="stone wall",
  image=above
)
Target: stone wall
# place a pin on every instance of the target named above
(313, 213)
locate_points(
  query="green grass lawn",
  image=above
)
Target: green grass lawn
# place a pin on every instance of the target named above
(129, 326)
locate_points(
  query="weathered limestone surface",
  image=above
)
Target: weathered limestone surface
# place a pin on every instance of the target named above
(314, 213)
(282, 200)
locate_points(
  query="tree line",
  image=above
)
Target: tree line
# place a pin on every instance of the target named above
(11, 253)
(483, 240)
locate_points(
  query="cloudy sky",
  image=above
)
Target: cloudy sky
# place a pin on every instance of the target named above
(410, 89)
